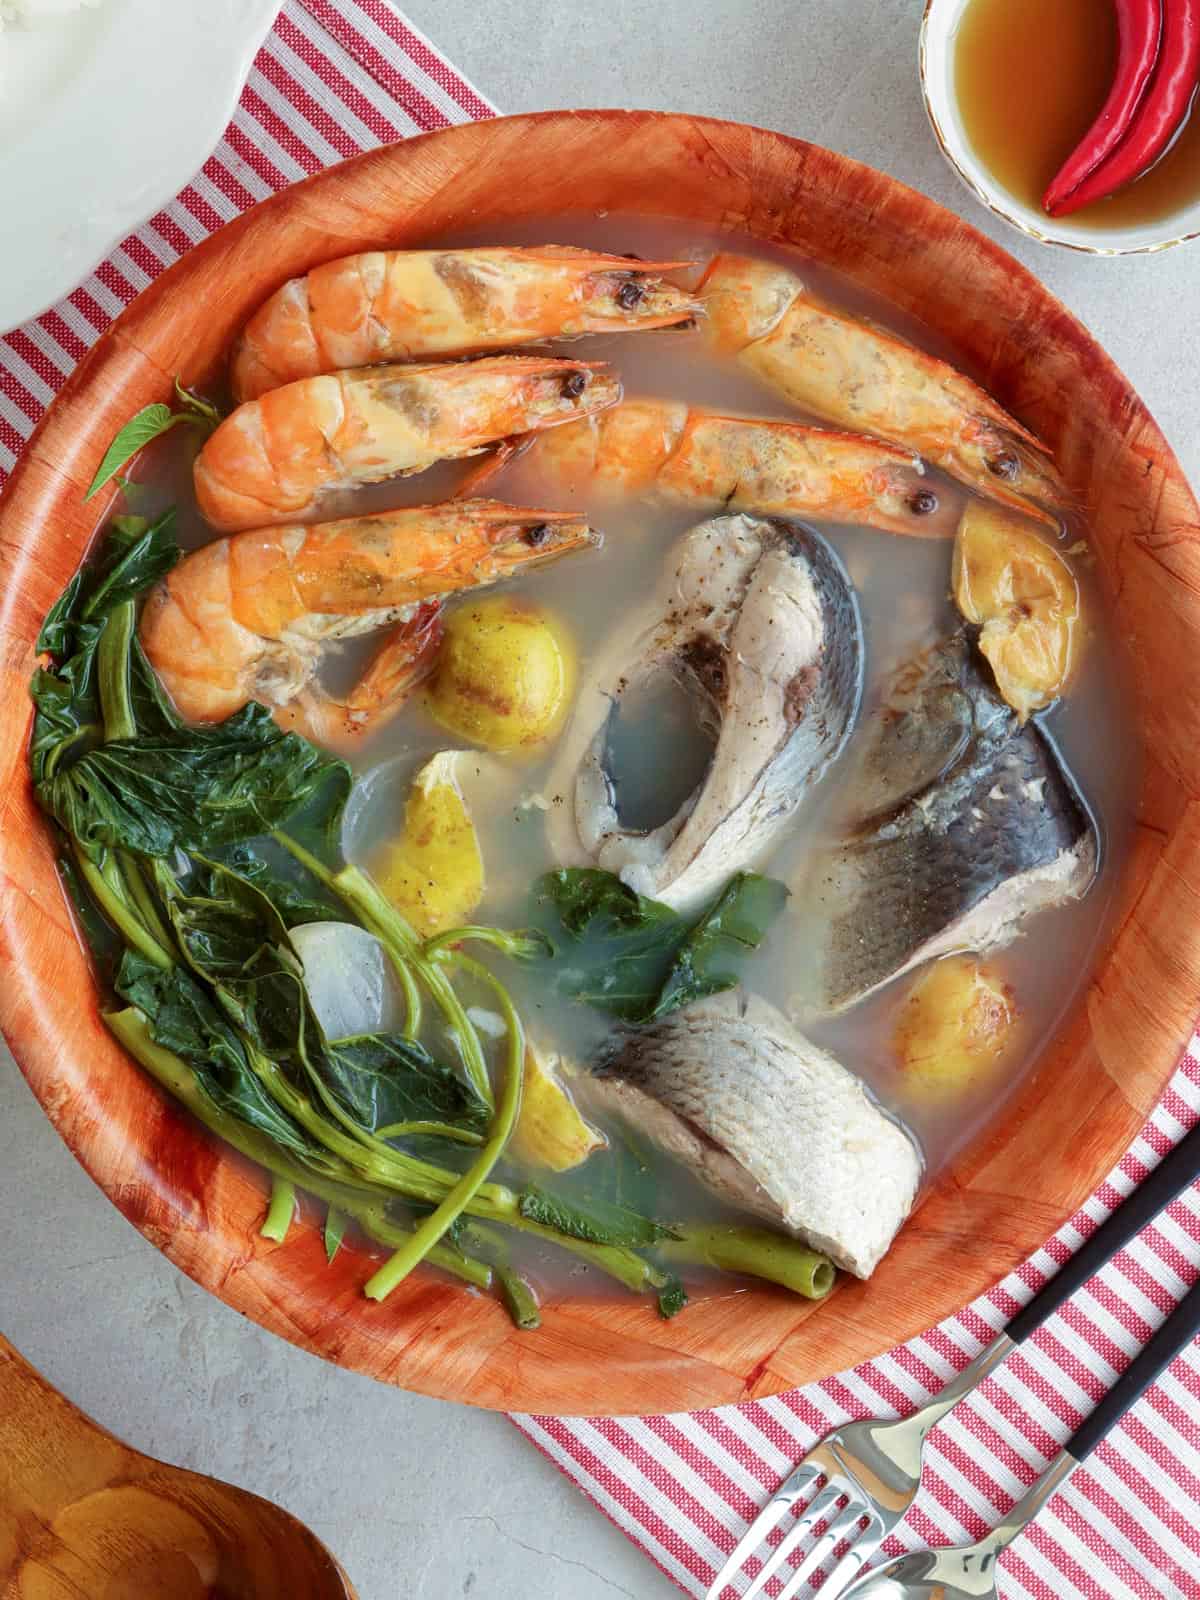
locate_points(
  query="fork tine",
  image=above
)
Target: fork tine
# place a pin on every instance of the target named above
(852, 1563)
(818, 1507)
(788, 1492)
(844, 1523)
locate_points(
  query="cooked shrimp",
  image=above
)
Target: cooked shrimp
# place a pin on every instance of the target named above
(275, 459)
(247, 618)
(407, 305)
(861, 376)
(700, 458)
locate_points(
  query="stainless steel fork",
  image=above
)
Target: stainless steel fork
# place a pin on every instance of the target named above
(871, 1470)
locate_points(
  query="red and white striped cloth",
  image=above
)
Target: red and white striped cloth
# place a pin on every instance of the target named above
(339, 76)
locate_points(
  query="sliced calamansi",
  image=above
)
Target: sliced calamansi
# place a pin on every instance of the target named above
(1024, 598)
(433, 872)
(550, 1131)
(954, 1025)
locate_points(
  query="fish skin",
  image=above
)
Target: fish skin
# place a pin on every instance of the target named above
(966, 825)
(768, 1120)
(759, 619)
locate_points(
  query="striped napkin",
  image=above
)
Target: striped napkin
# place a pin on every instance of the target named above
(338, 76)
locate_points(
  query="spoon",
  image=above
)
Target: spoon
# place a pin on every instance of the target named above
(969, 1571)
(82, 1514)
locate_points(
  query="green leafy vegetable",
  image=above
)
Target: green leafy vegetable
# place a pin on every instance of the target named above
(637, 958)
(595, 1221)
(66, 695)
(190, 788)
(709, 960)
(148, 424)
(186, 1021)
(298, 897)
(672, 1296)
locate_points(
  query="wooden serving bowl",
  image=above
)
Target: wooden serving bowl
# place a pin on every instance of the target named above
(1094, 1084)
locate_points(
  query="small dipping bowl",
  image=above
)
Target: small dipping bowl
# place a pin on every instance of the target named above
(939, 31)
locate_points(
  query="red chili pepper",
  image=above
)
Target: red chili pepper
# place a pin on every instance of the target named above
(1139, 32)
(1160, 116)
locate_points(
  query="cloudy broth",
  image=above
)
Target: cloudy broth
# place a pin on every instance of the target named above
(903, 591)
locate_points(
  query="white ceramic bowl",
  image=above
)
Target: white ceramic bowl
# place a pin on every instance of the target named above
(104, 116)
(939, 32)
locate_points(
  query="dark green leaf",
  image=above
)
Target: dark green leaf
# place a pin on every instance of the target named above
(134, 555)
(55, 639)
(594, 1221)
(672, 1296)
(620, 947)
(711, 957)
(296, 895)
(101, 940)
(638, 959)
(184, 1019)
(192, 788)
(385, 1078)
(589, 901)
(152, 710)
(67, 716)
(137, 555)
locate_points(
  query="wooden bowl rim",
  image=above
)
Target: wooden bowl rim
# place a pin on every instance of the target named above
(219, 1261)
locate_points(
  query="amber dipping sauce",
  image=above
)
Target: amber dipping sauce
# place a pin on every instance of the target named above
(1030, 77)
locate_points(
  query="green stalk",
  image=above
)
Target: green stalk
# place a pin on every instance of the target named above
(439, 1130)
(139, 892)
(519, 946)
(112, 662)
(468, 1186)
(387, 1168)
(756, 1251)
(614, 1260)
(281, 1211)
(519, 1298)
(412, 995)
(89, 730)
(108, 891)
(369, 1211)
(398, 937)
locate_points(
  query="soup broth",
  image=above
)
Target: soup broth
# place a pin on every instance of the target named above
(903, 588)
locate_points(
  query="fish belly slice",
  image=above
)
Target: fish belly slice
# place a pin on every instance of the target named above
(768, 1121)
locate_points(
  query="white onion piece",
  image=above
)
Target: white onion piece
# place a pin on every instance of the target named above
(349, 981)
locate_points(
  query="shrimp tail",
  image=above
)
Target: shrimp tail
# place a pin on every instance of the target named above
(397, 669)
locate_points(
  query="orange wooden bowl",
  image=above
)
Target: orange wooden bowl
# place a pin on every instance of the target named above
(1094, 1084)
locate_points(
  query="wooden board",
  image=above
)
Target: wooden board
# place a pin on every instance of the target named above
(1097, 1079)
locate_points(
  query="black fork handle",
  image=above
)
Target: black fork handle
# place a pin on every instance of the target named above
(1175, 1334)
(1173, 1174)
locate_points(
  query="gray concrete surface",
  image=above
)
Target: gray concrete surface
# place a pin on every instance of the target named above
(425, 1501)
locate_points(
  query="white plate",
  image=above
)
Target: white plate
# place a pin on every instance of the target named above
(105, 114)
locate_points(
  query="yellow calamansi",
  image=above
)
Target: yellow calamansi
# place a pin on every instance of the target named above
(433, 872)
(550, 1131)
(504, 675)
(1024, 598)
(955, 1024)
